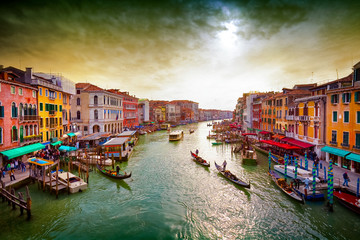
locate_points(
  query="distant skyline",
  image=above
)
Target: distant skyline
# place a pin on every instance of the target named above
(210, 52)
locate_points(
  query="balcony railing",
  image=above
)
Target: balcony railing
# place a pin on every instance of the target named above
(53, 125)
(345, 144)
(289, 134)
(316, 119)
(130, 117)
(29, 118)
(356, 147)
(52, 97)
(75, 120)
(333, 143)
(289, 117)
(30, 139)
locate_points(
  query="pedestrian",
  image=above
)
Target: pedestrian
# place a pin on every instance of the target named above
(307, 183)
(12, 165)
(23, 167)
(12, 174)
(346, 179)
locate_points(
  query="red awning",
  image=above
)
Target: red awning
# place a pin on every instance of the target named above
(251, 134)
(264, 132)
(297, 143)
(280, 145)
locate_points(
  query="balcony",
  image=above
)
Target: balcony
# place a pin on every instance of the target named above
(333, 143)
(75, 120)
(304, 118)
(53, 126)
(30, 139)
(289, 117)
(130, 117)
(316, 119)
(45, 83)
(29, 118)
(290, 134)
(130, 108)
(52, 97)
(52, 112)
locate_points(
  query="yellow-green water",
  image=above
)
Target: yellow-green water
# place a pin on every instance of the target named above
(171, 197)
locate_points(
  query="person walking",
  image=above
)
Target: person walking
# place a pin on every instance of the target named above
(224, 165)
(12, 174)
(307, 183)
(23, 167)
(346, 179)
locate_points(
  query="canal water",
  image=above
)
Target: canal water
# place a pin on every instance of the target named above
(171, 197)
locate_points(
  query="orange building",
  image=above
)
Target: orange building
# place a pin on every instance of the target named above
(343, 121)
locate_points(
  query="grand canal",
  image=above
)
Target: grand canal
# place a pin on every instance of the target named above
(171, 197)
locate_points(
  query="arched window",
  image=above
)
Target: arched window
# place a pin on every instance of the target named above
(96, 114)
(95, 100)
(34, 110)
(31, 130)
(78, 101)
(14, 134)
(21, 112)
(29, 110)
(25, 109)
(14, 112)
(78, 115)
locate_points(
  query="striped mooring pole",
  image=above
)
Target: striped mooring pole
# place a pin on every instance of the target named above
(269, 160)
(306, 162)
(314, 179)
(286, 163)
(296, 168)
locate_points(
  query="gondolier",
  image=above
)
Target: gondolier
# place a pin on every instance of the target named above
(224, 165)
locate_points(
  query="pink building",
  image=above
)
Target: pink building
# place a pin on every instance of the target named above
(19, 121)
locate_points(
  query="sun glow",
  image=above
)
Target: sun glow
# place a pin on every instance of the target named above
(228, 36)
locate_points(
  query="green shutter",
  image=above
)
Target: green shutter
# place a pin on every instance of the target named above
(332, 98)
(46, 107)
(2, 111)
(343, 97)
(358, 117)
(346, 116)
(41, 106)
(357, 139)
(349, 97)
(356, 96)
(56, 107)
(60, 108)
(334, 116)
(345, 137)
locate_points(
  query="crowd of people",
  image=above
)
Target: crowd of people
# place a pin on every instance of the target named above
(48, 154)
(10, 168)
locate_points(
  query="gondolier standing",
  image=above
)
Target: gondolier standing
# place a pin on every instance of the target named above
(224, 165)
(117, 169)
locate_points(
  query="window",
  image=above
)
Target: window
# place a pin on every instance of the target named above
(60, 108)
(85, 128)
(41, 106)
(60, 96)
(40, 91)
(335, 98)
(34, 93)
(14, 112)
(78, 101)
(1, 135)
(346, 116)
(358, 117)
(345, 139)
(333, 136)
(357, 75)
(357, 140)
(78, 115)
(14, 134)
(96, 114)
(95, 100)
(357, 97)
(77, 91)
(20, 91)
(346, 97)
(334, 116)
(12, 90)
(1, 111)
(46, 92)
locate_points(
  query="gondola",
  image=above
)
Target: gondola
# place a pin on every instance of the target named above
(282, 184)
(348, 199)
(191, 131)
(199, 160)
(112, 174)
(232, 177)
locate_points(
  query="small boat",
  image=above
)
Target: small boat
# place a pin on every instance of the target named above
(348, 200)
(282, 184)
(176, 135)
(217, 143)
(227, 174)
(111, 173)
(249, 157)
(191, 131)
(76, 184)
(199, 160)
(165, 126)
(302, 174)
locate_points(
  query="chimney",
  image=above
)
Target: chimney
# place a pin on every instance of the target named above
(28, 75)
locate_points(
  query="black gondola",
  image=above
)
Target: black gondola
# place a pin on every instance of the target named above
(232, 177)
(112, 174)
(199, 160)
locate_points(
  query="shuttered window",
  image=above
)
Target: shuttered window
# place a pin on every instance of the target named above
(334, 116)
(346, 116)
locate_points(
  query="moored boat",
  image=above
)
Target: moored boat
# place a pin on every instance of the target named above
(282, 184)
(275, 158)
(227, 174)
(176, 135)
(348, 200)
(249, 157)
(112, 174)
(200, 160)
(76, 184)
(302, 174)
(165, 126)
(191, 131)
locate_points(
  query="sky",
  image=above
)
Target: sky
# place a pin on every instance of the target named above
(210, 52)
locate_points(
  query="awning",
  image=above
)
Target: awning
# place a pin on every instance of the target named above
(278, 136)
(353, 157)
(71, 134)
(264, 132)
(249, 134)
(280, 145)
(335, 151)
(67, 148)
(17, 152)
(65, 136)
(77, 134)
(297, 142)
(56, 143)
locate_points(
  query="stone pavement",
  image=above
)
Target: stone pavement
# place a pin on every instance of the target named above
(19, 176)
